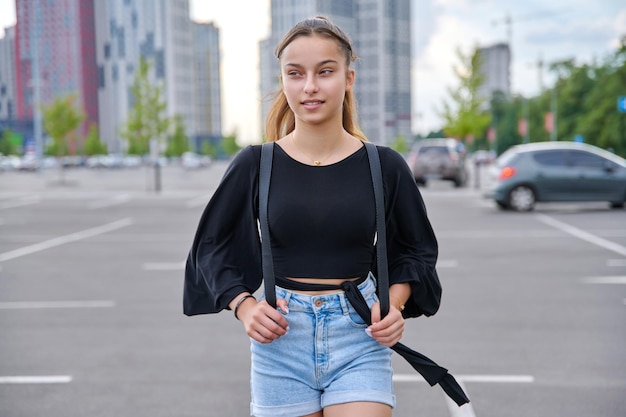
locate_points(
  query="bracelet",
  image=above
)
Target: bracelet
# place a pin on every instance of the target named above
(241, 300)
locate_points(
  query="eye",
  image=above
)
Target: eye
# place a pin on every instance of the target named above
(293, 73)
(326, 71)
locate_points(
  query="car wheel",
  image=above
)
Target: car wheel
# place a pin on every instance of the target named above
(617, 204)
(522, 198)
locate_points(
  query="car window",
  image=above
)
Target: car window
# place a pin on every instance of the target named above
(442, 150)
(586, 160)
(552, 158)
(506, 158)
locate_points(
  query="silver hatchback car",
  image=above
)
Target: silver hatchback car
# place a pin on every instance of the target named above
(442, 159)
(557, 171)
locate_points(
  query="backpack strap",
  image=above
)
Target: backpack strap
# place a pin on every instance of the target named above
(265, 172)
(382, 271)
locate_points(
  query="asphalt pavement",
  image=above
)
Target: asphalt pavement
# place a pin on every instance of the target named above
(91, 324)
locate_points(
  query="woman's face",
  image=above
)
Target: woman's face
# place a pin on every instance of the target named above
(315, 78)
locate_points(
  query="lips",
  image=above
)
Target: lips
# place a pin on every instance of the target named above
(312, 104)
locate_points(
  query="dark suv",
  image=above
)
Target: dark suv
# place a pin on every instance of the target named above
(438, 159)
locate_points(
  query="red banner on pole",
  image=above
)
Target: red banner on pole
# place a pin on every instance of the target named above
(549, 122)
(522, 127)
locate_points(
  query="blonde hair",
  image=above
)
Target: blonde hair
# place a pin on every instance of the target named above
(280, 118)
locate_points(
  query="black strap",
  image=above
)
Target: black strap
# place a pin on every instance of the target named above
(382, 272)
(267, 154)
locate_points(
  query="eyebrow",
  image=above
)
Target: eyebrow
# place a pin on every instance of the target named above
(322, 63)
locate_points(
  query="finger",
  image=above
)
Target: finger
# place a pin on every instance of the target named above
(272, 321)
(375, 312)
(282, 305)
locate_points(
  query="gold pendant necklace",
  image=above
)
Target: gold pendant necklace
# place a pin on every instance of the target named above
(316, 162)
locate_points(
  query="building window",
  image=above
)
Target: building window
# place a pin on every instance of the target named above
(121, 44)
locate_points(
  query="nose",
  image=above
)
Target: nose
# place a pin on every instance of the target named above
(310, 86)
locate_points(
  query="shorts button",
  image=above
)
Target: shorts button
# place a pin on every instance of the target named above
(318, 303)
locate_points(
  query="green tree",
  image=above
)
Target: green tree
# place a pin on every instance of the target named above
(178, 143)
(93, 144)
(146, 120)
(229, 144)
(400, 144)
(506, 115)
(207, 148)
(599, 122)
(467, 115)
(60, 118)
(9, 143)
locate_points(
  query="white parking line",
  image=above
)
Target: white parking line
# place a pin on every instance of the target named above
(50, 379)
(605, 280)
(581, 234)
(467, 410)
(163, 266)
(61, 240)
(16, 305)
(616, 262)
(19, 202)
(490, 379)
(450, 263)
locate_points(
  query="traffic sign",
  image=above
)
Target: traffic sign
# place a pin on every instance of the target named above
(621, 104)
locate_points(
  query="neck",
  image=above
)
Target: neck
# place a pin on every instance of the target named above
(318, 140)
(321, 149)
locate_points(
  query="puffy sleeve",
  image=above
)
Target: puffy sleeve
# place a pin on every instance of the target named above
(225, 257)
(411, 243)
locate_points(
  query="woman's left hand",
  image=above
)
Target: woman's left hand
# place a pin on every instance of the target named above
(388, 331)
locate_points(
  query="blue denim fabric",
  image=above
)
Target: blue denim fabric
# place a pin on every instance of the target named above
(326, 358)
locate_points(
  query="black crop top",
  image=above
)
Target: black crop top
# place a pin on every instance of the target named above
(225, 256)
(322, 218)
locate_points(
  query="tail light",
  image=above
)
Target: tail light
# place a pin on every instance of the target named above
(506, 173)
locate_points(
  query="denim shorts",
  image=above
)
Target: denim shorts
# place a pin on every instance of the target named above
(325, 358)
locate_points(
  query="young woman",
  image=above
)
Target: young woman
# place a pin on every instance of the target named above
(313, 355)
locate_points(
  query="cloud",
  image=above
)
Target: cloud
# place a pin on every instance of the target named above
(587, 31)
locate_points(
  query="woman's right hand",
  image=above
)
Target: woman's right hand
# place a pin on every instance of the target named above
(263, 322)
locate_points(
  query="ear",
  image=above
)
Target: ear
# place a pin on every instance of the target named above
(350, 79)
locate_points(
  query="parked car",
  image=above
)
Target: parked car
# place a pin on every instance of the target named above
(191, 160)
(442, 158)
(483, 157)
(557, 171)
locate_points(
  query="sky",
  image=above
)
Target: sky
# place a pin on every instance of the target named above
(540, 31)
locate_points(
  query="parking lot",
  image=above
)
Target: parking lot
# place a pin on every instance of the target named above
(91, 324)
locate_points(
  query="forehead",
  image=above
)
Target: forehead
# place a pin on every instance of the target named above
(313, 48)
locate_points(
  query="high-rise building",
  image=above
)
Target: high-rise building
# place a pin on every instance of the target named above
(381, 33)
(7, 75)
(495, 64)
(384, 69)
(208, 109)
(161, 32)
(55, 47)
